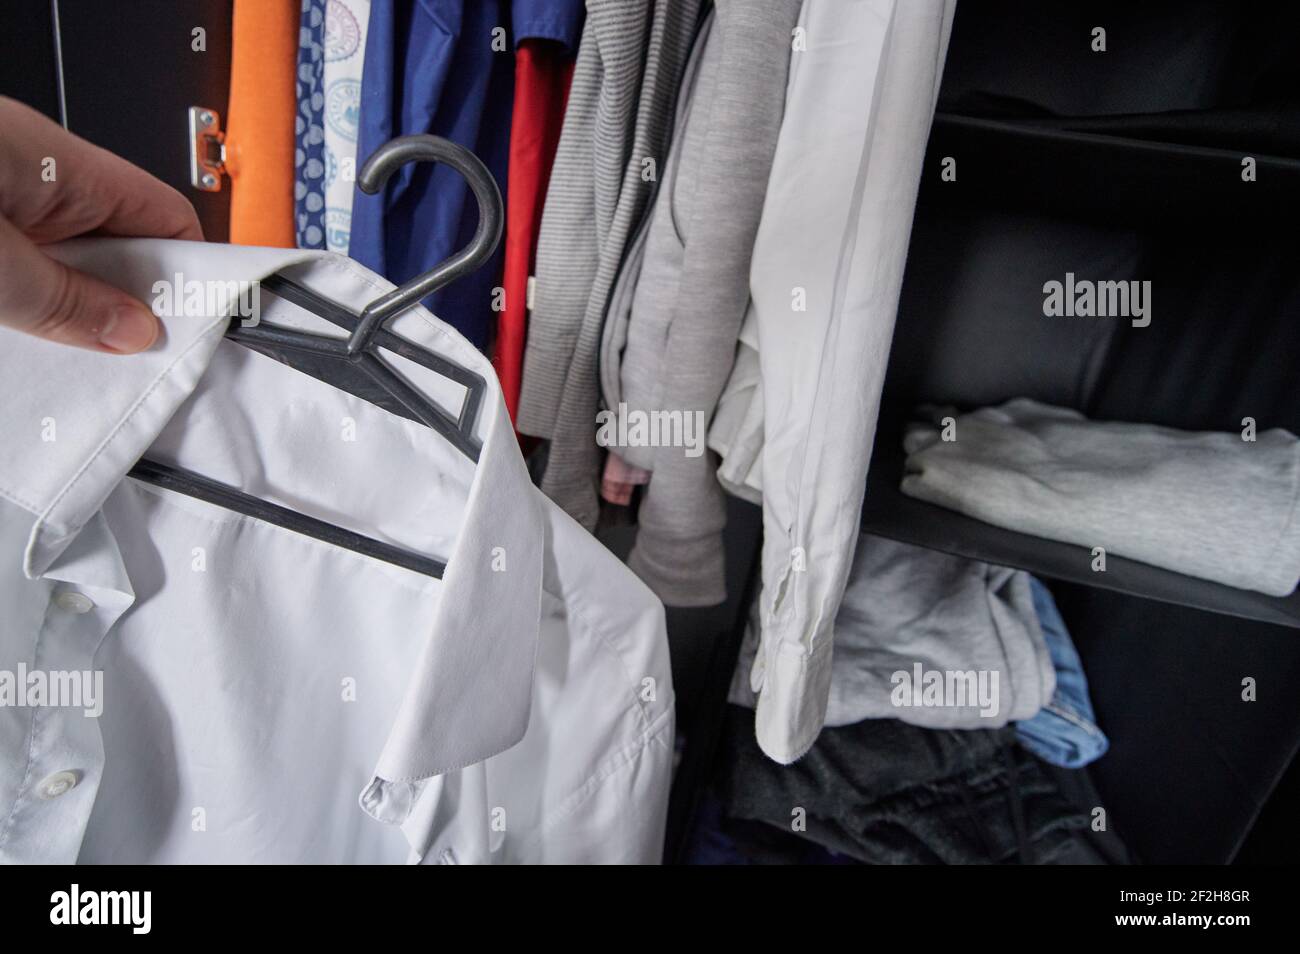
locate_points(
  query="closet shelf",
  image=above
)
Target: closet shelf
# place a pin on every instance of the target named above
(888, 512)
(1112, 179)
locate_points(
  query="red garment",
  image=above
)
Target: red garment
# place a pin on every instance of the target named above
(543, 69)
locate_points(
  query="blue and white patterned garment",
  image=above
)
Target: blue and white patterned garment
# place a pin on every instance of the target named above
(309, 149)
(345, 50)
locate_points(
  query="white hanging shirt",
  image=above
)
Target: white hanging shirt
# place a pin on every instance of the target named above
(267, 697)
(797, 420)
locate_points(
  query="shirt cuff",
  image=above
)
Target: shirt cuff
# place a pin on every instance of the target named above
(794, 687)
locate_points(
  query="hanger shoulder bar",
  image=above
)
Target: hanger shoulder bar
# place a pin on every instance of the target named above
(459, 430)
(202, 488)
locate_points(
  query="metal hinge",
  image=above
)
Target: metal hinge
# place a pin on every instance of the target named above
(207, 149)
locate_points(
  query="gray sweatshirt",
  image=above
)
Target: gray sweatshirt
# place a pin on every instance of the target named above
(618, 119)
(931, 639)
(1210, 505)
(694, 288)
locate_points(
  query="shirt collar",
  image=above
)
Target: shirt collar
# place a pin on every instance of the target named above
(470, 693)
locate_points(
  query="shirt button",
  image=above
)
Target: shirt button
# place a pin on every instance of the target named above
(74, 602)
(60, 783)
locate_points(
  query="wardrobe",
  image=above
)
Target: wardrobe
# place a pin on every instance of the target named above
(1164, 148)
(1151, 142)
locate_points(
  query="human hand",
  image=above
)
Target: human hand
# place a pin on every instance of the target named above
(54, 186)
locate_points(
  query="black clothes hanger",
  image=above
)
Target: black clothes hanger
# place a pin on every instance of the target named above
(353, 364)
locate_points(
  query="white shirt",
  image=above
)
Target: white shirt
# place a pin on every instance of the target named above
(271, 698)
(796, 424)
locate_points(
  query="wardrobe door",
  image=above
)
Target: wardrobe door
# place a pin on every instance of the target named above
(131, 71)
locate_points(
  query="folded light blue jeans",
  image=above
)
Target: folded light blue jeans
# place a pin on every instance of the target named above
(1064, 732)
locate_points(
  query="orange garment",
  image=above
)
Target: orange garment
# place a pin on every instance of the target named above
(259, 121)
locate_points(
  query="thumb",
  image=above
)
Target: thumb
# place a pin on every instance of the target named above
(50, 300)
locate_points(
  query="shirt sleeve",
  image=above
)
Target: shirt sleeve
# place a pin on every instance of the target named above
(863, 82)
(558, 20)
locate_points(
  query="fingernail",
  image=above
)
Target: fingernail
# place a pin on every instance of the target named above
(129, 329)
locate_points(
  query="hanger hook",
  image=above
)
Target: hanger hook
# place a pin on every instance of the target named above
(376, 171)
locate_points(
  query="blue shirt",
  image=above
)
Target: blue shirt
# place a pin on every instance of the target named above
(436, 66)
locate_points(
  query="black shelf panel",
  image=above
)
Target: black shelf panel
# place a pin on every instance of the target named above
(888, 512)
(1112, 179)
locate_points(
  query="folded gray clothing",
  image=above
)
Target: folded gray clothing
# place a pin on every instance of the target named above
(967, 625)
(1210, 505)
